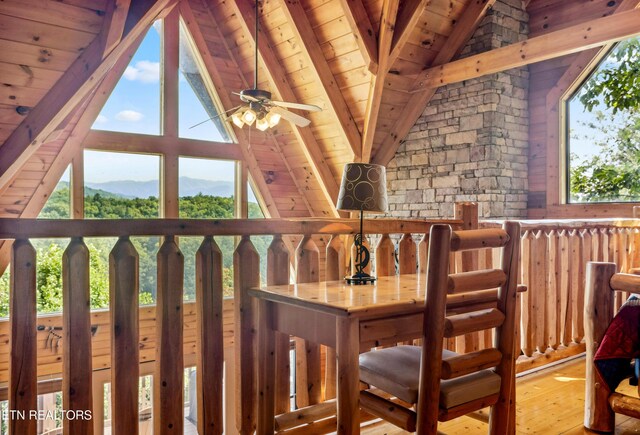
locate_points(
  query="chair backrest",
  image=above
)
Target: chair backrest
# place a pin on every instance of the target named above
(479, 306)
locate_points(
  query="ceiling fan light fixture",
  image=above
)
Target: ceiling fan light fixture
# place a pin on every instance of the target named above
(236, 118)
(249, 116)
(262, 124)
(273, 119)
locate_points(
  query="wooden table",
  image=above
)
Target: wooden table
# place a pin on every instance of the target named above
(349, 318)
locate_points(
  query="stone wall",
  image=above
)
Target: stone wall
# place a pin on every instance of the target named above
(470, 143)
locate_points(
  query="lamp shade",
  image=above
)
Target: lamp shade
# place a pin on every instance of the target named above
(363, 188)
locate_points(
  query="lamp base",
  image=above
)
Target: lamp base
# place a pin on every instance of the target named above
(360, 279)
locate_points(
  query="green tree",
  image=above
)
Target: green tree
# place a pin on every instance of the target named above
(616, 84)
(612, 94)
(614, 173)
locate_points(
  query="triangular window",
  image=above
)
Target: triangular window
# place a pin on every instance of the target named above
(196, 101)
(134, 103)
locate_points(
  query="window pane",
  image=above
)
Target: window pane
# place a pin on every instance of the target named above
(119, 186)
(604, 130)
(261, 243)
(207, 191)
(134, 104)
(196, 104)
(58, 206)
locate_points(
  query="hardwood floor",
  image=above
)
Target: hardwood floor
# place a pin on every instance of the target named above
(549, 402)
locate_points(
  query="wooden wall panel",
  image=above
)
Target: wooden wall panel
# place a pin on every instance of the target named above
(50, 350)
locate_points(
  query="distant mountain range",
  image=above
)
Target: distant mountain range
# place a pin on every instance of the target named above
(144, 189)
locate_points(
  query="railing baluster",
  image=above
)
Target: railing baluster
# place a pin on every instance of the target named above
(76, 319)
(123, 310)
(209, 337)
(23, 376)
(168, 383)
(565, 283)
(574, 283)
(308, 367)
(423, 247)
(553, 290)
(385, 257)
(334, 270)
(585, 254)
(407, 254)
(278, 271)
(538, 294)
(528, 322)
(246, 275)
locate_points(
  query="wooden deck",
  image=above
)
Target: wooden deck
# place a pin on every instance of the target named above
(549, 402)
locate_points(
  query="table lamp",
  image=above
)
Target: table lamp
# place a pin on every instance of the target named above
(364, 189)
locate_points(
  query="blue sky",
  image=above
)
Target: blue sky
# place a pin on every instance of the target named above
(134, 107)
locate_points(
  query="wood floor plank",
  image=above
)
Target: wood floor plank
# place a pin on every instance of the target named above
(549, 402)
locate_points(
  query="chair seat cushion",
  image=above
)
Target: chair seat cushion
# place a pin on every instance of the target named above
(396, 370)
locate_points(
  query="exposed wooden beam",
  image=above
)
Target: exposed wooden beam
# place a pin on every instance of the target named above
(270, 137)
(118, 10)
(408, 17)
(362, 29)
(572, 39)
(73, 145)
(277, 77)
(461, 33)
(376, 87)
(142, 143)
(222, 91)
(310, 47)
(76, 83)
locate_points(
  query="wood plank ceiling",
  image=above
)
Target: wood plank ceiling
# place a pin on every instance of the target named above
(325, 52)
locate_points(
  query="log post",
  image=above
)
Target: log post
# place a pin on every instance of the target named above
(77, 394)
(246, 275)
(502, 417)
(468, 213)
(308, 368)
(123, 310)
(278, 271)
(23, 378)
(385, 257)
(598, 313)
(209, 337)
(168, 383)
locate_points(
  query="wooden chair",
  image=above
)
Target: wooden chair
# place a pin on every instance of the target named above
(600, 404)
(439, 385)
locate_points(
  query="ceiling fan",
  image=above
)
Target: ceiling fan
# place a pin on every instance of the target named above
(259, 107)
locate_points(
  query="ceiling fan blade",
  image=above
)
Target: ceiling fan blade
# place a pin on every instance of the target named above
(291, 117)
(300, 106)
(214, 117)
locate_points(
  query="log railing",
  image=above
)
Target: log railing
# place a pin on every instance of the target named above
(315, 374)
(553, 263)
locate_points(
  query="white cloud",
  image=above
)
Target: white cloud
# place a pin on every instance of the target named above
(144, 71)
(129, 116)
(101, 119)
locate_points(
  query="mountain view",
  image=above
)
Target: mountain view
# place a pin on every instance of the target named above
(145, 189)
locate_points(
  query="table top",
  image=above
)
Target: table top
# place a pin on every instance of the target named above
(388, 294)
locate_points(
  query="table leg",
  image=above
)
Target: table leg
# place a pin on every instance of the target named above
(266, 369)
(347, 350)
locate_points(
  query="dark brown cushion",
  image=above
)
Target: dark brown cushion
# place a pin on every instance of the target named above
(396, 370)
